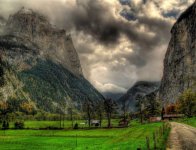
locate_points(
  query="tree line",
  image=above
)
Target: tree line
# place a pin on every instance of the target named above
(146, 106)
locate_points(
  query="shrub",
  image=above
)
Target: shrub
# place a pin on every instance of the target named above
(19, 125)
(76, 126)
(5, 125)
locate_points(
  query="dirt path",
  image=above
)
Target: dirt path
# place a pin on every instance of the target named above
(182, 137)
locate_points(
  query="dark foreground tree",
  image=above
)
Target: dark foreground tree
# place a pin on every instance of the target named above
(110, 107)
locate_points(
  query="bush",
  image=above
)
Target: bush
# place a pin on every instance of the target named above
(5, 125)
(19, 125)
(187, 103)
(76, 126)
(96, 124)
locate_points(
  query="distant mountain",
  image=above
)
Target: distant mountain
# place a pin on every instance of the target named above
(180, 59)
(142, 88)
(40, 64)
(114, 96)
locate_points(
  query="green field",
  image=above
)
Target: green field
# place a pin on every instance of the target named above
(116, 138)
(67, 124)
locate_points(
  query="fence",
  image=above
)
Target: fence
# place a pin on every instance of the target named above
(158, 139)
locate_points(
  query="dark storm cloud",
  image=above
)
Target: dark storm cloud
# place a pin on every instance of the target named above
(172, 13)
(94, 18)
(129, 15)
(125, 2)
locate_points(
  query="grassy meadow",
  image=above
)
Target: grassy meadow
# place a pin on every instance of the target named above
(56, 124)
(129, 138)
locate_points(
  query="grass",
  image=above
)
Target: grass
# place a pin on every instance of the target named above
(164, 139)
(189, 121)
(56, 124)
(104, 139)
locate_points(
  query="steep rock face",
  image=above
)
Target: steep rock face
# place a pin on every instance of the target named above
(54, 43)
(139, 88)
(2, 24)
(40, 64)
(180, 59)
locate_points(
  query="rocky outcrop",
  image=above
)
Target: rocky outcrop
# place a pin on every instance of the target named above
(40, 64)
(142, 88)
(180, 59)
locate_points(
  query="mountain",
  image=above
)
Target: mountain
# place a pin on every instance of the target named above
(40, 64)
(114, 96)
(180, 59)
(142, 88)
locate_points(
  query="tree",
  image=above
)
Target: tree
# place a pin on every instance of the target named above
(70, 109)
(5, 125)
(100, 110)
(4, 110)
(70, 112)
(110, 107)
(63, 107)
(140, 106)
(187, 103)
(60, 112)
(27, 107)
(14, 104)
(162, 113)
(88, 108)
(125, 110)
(152, 105)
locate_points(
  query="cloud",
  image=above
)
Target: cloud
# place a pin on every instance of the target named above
(119, 41)
(108, 87)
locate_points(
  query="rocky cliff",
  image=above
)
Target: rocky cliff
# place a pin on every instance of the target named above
(54, 43)
(40, 64)
(2, 24)
(180, 59)
(142, 88)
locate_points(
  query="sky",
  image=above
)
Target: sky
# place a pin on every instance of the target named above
(119, 42)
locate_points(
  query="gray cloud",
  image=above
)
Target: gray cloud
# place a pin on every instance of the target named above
(116, 49)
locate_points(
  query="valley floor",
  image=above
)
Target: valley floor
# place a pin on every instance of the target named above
(129, 138)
